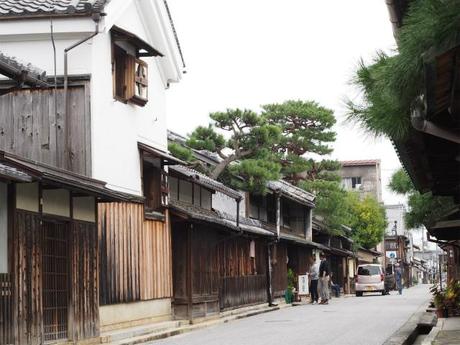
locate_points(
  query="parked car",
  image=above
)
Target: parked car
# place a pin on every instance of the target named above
(370, 278)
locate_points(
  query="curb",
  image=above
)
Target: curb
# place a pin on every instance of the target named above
(434, 332)
(192, 327)
(407, 334)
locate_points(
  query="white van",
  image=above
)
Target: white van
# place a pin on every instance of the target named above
(370, 278)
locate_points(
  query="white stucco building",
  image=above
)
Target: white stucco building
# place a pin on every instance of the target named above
(116, 126)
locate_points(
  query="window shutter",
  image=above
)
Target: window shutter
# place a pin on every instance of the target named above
(129, 76)
(140, 84)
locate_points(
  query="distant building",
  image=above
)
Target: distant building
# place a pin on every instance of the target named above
(395, 219)
(362, 176)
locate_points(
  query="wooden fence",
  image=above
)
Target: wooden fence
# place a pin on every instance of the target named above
(6, 310)
(243, 290)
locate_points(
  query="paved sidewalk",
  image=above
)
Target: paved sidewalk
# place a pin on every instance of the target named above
(448, 332)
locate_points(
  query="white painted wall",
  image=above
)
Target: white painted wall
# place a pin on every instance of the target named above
(395, 213)
(223, 203)
(116, 127)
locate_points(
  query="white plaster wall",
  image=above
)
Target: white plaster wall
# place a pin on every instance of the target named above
(56, 201)
(224, 203)
(116, 127)
(395, 213)
(27, 196)
(112, 316)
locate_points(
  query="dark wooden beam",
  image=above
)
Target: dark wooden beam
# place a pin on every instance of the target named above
(454, 107)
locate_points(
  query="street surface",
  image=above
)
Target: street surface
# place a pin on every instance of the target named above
(367, 320)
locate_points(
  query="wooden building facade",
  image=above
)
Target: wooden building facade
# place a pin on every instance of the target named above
(49, 287)
(339, 253)
(136, 285)
(287, 211)
(219, 260)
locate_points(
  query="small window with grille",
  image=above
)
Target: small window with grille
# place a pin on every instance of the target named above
(130, 77)
(130, 71)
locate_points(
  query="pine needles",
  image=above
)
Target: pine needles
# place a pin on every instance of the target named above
(391, 84)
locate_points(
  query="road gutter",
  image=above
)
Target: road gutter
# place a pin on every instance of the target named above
(417, 324)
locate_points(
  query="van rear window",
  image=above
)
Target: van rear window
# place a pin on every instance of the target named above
(368, 270)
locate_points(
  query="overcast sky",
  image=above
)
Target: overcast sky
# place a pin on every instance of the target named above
(244, 53)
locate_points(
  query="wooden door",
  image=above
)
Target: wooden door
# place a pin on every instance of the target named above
(55, 280)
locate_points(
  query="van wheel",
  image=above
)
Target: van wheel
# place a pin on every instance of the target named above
(384, 293)
(359, 293)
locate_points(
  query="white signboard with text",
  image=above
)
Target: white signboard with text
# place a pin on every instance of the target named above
(303, 285)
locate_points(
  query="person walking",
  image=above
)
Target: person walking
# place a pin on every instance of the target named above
(398, 278)
(314, 275)
(323, 282)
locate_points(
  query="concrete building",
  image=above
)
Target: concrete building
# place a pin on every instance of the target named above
(362, 176)
(395, 218)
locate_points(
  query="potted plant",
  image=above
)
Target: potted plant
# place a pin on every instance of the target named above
(452, 297)
(439, 300)
(289, 294)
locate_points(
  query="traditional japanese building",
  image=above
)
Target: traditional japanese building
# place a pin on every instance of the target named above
(93, 110)
(219, 256)
(431, 148)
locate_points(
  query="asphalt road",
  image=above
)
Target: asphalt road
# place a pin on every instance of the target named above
(366, 320)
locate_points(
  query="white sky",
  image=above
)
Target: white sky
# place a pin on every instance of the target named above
(244, 53)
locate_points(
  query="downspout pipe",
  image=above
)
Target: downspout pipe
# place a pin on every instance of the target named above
(238, 212)
(424, 126)
(270, 273)
(96, 18)
(278, 214)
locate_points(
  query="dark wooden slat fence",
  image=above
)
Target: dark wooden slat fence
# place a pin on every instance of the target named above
(243, 290)
(6, 310)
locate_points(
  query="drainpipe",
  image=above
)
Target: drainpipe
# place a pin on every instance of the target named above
(278, 215)
(269, 273)
(422, 125)
(238, 212)
(96, 18)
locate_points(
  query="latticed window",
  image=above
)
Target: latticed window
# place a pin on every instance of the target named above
(130, 72)
(130, 78)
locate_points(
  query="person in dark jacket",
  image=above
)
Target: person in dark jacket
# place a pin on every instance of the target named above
(323, 282)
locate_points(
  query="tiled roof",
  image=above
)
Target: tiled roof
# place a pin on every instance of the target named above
(205, 181)
(360, 162)
(249, 225)
(11, 67)
(26, 8)
(21, 169)
(302, 241)
(13, 173)
(214, 217)
(291, 191)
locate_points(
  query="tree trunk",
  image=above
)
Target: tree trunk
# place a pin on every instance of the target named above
(219, 169)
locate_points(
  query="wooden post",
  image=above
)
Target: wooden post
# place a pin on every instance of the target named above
(269, 275)
(189, 273)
